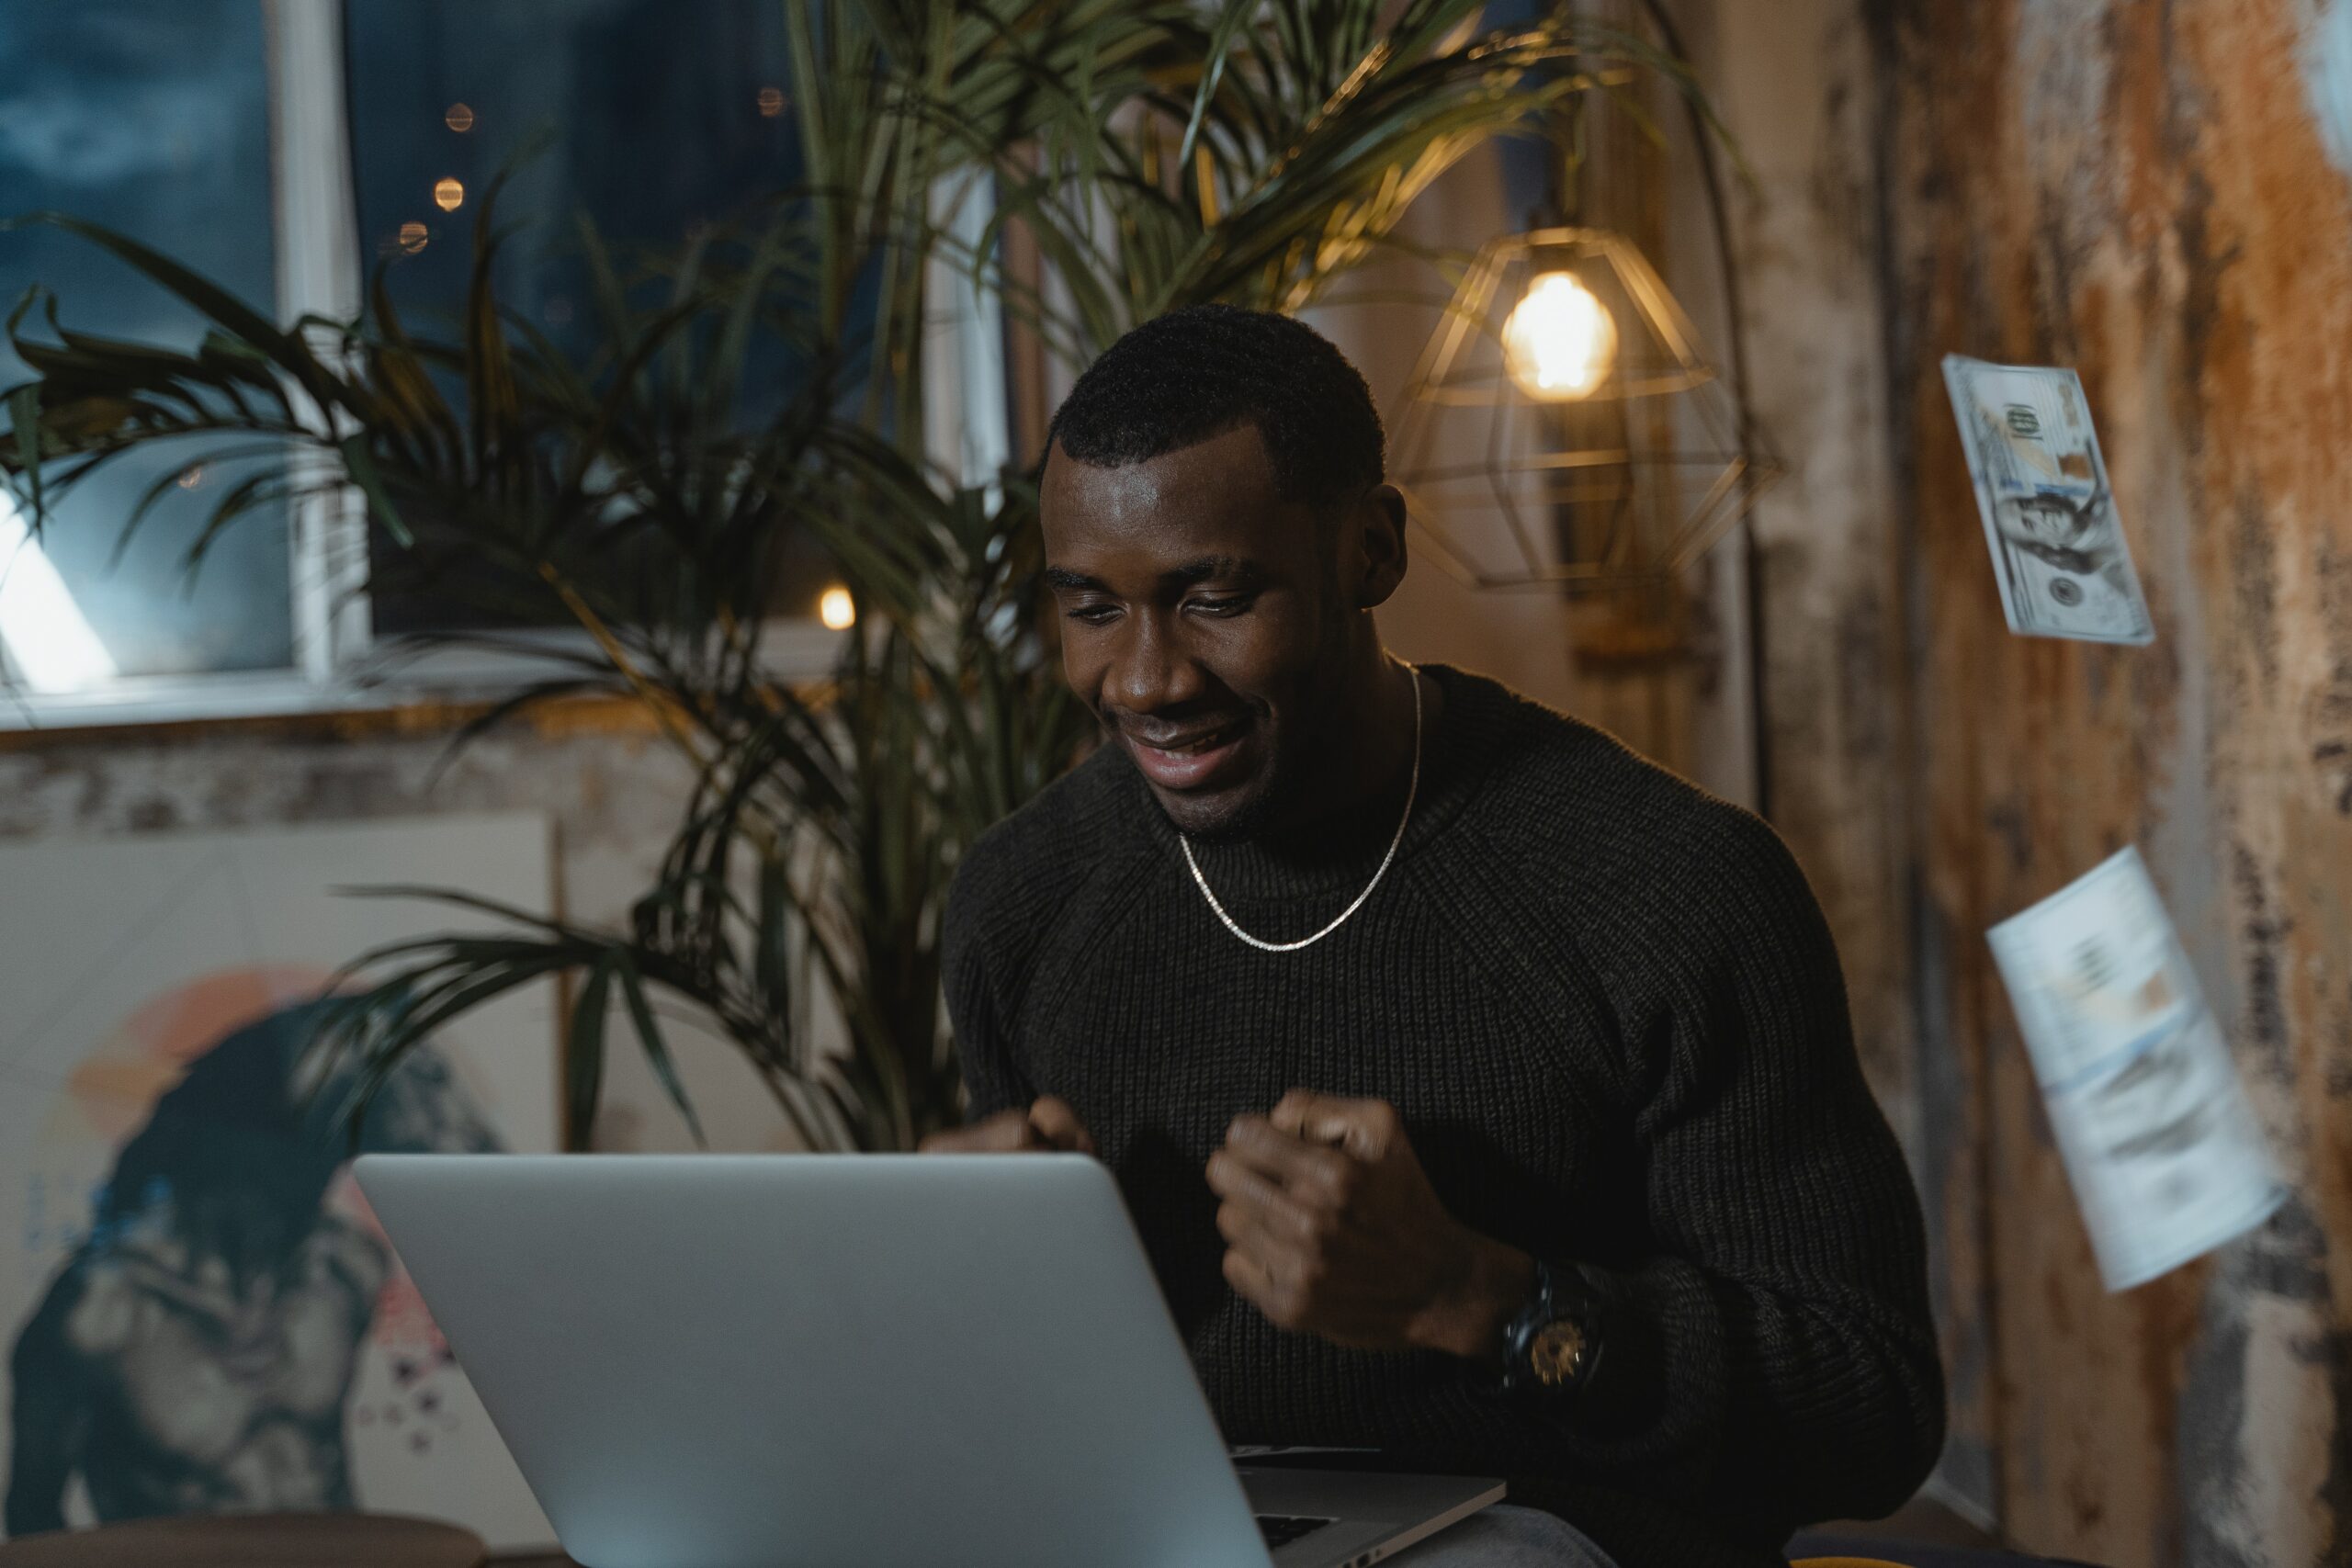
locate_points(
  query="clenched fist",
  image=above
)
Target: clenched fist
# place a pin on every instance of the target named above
(1332, 1229)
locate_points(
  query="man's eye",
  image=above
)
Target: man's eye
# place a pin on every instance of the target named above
(1092, 615)
(1228, 605)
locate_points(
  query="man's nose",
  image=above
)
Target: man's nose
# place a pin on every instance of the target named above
(1152, 670)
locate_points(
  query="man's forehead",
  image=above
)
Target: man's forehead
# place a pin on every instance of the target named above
(1222, 488)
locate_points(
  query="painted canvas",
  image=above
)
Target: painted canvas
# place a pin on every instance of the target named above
(200, 1312)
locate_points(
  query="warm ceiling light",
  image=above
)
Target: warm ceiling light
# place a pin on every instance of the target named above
(459, 119)
(1559, 342)
(448, 194)
(1515, 482)
(837, 609)
(771, 102)
(413, 237)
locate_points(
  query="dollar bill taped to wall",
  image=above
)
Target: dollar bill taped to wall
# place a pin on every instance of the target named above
(2166, 1157)
(2058, 548)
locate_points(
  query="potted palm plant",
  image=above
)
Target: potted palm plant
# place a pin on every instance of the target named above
(1152, 155)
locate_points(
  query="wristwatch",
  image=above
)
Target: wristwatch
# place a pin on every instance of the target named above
(1551, 1348)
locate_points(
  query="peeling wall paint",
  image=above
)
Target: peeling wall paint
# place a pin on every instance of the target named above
(2157, 194)
(1796, 84)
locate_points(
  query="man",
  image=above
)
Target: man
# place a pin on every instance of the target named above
(1484, 1094)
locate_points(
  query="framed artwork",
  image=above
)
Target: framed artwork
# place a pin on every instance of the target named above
(197, 1311)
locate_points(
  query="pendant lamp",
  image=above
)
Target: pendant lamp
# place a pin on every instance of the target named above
(1562, 428)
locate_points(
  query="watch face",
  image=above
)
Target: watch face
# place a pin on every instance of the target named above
(1557, 1352)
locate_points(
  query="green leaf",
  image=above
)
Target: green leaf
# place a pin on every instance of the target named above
(583, 1063)
(359, 462)
(459, 899)
(189, 286)
(1236, 15)
(657, 1051)
(24, 415)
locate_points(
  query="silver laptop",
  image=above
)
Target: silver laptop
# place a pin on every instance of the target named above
(854, 1361)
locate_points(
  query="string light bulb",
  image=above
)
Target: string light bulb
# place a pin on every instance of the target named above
(1560, 341)
(836, 609)
(448, 194)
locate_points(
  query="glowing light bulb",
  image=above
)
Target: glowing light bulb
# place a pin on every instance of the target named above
(1560, 341)
(771, 102)
(448, 194)
(837, 609)
(461, 118)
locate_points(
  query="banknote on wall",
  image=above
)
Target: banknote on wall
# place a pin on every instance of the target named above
(2058, 549)
(2165, 1153)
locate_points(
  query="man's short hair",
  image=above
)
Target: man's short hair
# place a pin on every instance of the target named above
(1179, 379)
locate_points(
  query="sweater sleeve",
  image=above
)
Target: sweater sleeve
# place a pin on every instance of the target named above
(974, 982)
(1775, 1351)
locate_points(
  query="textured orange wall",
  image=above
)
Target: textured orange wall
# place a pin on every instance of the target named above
(2142, 190)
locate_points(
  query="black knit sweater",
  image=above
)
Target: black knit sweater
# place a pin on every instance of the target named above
(1609, 1010)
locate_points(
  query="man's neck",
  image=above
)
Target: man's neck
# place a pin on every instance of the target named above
(1367, 765)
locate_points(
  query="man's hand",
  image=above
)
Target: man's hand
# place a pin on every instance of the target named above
(1332, 1229)
(1048, 1127)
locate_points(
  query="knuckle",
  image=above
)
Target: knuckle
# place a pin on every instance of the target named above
(1342, 1179)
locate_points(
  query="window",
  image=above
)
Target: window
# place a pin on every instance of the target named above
(281, 147)
(653, 119)
(152, 117)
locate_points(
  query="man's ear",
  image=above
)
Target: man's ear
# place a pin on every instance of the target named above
(1379, 523)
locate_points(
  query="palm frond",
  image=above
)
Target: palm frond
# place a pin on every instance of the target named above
(644, 490)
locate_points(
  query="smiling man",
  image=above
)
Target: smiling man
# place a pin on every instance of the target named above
(1484, 1094)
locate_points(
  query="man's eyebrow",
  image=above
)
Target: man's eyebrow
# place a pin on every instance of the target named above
(1209, 567)
(1202, 571)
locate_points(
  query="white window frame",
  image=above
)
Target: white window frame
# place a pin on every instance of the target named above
(339, 666)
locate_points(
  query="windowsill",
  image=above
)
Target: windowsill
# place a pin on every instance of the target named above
(433, 692)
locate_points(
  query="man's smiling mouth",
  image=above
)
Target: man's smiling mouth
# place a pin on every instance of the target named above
(1182, 762)
(1198, 740)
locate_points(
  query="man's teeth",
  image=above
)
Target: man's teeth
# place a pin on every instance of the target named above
(1198, 743)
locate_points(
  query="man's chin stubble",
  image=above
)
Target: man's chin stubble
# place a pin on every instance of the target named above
(1243, 821)
(1228, 827)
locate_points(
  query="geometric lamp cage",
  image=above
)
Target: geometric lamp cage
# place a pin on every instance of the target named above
(1562, 428)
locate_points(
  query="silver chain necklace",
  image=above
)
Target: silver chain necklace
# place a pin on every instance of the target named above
(1412, 788)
